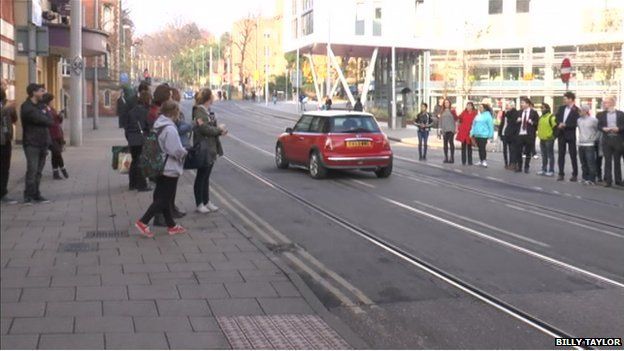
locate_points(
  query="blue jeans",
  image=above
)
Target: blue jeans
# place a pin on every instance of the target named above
(423, 136)
(587, 154)
(547, 147)
(35, 161)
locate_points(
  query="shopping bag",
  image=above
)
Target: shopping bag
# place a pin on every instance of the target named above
(115, 151)
(125, 160)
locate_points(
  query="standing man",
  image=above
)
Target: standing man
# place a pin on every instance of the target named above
(611, 124)
(526, 122)
(36, 140)
(507, 131)
(588, 133)
(8, 117)
(567, 118)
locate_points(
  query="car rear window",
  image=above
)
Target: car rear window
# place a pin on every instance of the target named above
(353, 124)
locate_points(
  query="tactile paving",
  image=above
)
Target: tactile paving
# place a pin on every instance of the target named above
(284, 332)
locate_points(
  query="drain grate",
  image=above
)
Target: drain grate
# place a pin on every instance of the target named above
(101, 234)
(279, 248)
(77, 247)
(284, 332)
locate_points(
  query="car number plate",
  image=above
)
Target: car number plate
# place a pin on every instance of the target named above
(359, 143)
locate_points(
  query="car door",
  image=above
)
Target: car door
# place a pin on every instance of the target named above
(299, 139)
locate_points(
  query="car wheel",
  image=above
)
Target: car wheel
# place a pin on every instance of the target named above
(317, 170)
(280, 158)
(384, 172)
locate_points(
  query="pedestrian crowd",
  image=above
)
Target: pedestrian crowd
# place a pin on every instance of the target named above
(42, 131)
(597, 141)
(162, 144)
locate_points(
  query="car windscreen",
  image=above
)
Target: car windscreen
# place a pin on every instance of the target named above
(353, 124)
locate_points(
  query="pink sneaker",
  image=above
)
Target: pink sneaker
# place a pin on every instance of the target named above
(177, 229)
(143, 229)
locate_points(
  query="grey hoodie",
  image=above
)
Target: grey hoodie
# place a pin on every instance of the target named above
(588, 131)
(169, 142)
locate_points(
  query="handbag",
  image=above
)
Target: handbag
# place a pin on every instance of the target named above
(125, 160)
(193, 157)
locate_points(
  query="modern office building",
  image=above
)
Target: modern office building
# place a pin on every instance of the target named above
(467, 50)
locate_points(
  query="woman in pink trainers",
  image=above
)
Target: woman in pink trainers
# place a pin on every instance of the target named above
(167, 182)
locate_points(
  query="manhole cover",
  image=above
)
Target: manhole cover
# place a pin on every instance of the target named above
(98, 234)
(284, 332)
(77, 247)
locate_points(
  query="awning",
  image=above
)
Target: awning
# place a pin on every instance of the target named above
(93, 41)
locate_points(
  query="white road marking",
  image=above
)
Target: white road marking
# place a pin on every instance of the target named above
(250, 145)
(363, 183)
(507, 244)
(495, 179)
(500, 230)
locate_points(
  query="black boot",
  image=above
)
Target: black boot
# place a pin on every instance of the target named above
(64, 171)
(177, 213)
(56, 175)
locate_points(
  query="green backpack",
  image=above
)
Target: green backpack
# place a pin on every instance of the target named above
(152, 159)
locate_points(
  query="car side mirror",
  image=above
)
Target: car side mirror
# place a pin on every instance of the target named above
(289, 130)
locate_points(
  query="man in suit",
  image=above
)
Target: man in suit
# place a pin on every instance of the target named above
(567, 117)
(526, 124)
(507, 132)
(611, 124)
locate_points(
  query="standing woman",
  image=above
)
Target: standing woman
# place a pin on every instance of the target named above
(447, 129)
(482, 130)
(206, 133)
(463, 132)
(56, 135)
(167, 182)
(546, 133)
(136, 128)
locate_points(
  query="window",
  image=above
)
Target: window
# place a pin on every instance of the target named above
(307, 23)
(317, 125)
(354, 124)
(307, 5)
(496, 7)
(522, 6)
(65, 69)
(107, 98)
(294, 27)
(377, 22)
(304, 124)
(360, 9)
(108, 21)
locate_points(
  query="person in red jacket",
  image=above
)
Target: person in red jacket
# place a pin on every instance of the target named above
(162, 93)
(56, 134)
(463, 132)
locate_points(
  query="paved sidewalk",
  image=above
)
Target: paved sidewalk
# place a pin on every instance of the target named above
(75, 275)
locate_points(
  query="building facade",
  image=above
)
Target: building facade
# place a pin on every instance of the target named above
(466, 50)
(7, 48)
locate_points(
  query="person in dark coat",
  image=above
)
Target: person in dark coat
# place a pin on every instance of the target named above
(36, 140)
(611, 125)
(8, 116)
(358, 105)
(567, 117)
(136, 129)
(206, 133)
(507, 132)
(56, 136)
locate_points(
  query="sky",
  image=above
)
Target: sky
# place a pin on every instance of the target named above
(215, 16)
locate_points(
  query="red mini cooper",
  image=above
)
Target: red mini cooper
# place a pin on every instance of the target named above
(323, 140)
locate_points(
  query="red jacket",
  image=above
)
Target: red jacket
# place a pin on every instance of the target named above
(465, 124)
(56, 130)
(152, 115)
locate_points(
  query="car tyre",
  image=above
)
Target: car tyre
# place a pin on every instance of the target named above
(280, 157)
(317, 169)
(384, 172)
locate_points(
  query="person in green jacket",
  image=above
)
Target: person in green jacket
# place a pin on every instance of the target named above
(546, 134)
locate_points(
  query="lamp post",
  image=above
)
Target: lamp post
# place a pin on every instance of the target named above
(267, 35)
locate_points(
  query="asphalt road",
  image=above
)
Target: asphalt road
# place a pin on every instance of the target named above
(553, 251)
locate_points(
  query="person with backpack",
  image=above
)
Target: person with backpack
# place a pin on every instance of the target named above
(546, 133)
(167, 169)
(162, 93)
(206, 135)
(8, 118)
(56, 135)
(136, 129)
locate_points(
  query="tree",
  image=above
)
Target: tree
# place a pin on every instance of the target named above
(243, 35)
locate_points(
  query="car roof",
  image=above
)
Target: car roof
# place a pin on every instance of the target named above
(336, 113)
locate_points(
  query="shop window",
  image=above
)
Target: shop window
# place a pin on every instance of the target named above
(107, 98)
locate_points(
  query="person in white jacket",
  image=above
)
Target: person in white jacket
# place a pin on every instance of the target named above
(588, 134)
(167, 182)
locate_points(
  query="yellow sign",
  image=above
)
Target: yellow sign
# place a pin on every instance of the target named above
(256, 75)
